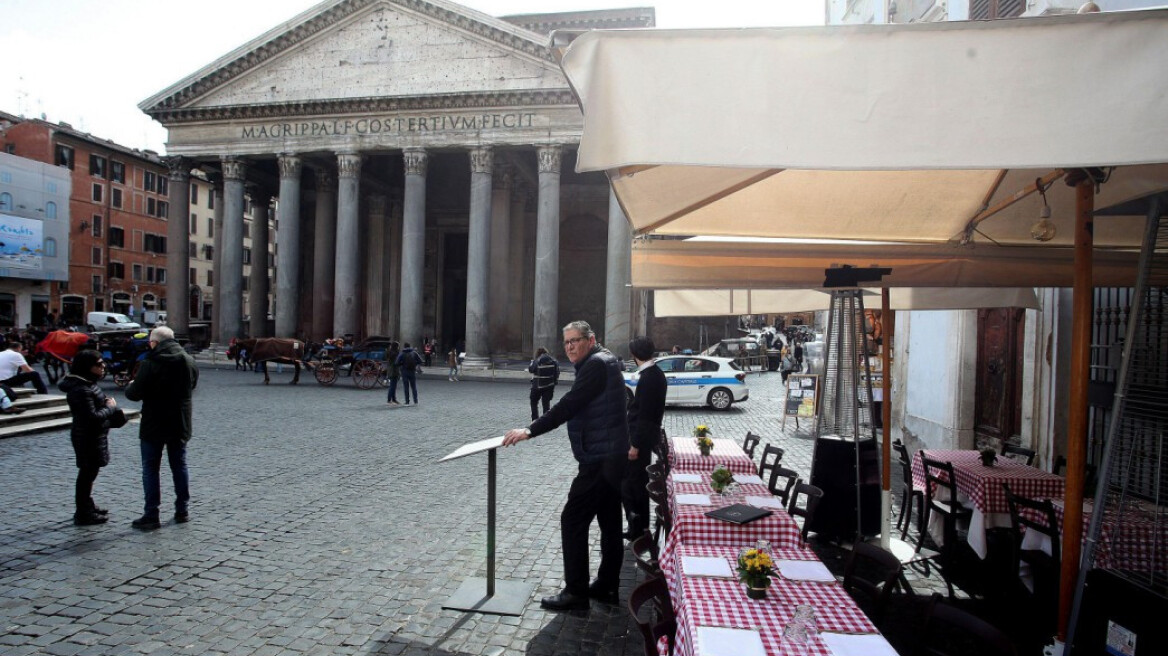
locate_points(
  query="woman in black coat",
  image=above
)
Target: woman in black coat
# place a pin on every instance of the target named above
(91, 410)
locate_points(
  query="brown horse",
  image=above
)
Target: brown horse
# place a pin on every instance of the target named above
(280, 350)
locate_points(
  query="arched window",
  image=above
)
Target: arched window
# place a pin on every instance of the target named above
(148, 301)
(50, 210)
(5, 201)
(50, 247)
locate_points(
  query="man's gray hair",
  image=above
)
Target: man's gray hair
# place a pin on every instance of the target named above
(580, 326)
(161, 333)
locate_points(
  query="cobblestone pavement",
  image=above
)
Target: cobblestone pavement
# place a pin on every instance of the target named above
(320, 524)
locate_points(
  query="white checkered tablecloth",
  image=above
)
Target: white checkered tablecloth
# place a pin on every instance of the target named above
(684, 456)
(983, 485)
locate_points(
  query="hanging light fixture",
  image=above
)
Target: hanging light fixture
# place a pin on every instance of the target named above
(1043, 229)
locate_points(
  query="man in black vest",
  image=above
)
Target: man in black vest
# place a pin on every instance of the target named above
(594, 410)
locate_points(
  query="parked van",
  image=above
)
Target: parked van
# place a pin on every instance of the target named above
(154, 318)
(105, 321)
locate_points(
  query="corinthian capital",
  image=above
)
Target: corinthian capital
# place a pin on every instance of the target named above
(290, 165)
(349, 165)
(234, 169)
(549, 158)
(179, 167)
(481, 159)
(415, 160)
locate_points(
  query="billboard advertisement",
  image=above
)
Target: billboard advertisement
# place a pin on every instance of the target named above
(21, 243)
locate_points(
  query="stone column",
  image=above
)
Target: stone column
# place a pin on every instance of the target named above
(500, 260)
(347, 289)
(413, 246)
(216, 259)
(478, 259)
(617, 292)
(178, 247)
(374, 254)
(230, 277)
(547, 251)
(516, 316)
(288, 254)
(324, 251)
(306, 281)
(391, 268)
(258, 282)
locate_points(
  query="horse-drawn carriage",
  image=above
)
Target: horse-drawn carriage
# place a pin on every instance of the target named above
(122, 350)
(363, 362)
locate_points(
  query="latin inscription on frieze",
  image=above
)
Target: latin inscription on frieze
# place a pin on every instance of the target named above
(411, 124)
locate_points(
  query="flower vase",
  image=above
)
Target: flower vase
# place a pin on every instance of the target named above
(988, 459)
(705, 450)
(756, 593)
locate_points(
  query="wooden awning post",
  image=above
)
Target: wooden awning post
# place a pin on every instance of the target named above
(1080, 376)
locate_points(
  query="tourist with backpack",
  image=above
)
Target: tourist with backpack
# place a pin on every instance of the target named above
(408, 362)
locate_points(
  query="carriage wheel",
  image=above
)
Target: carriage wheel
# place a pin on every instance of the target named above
(326, 373)
(365, 373)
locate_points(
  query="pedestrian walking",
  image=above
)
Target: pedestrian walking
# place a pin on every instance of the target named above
(15, 371)
(409, 361)
(394, 372)
(164, 384)
(645, 412)
(92, 413)
(594, 410)
(428, 352)
(545, 374)
(452, 362)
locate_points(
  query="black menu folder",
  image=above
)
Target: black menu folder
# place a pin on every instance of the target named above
(739, 513)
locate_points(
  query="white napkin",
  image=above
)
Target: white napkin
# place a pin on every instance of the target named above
(805, 570)
(720, 641)
(764, 502)
(869, 644)
(687, 478)
(694, 499)
(701, 566)
(745, 479)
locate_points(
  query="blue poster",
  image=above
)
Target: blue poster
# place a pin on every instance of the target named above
(21, 243)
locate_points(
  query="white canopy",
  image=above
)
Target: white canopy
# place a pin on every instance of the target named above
(899, 133)
(724, 302)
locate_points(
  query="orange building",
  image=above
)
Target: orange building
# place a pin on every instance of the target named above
(118, 206)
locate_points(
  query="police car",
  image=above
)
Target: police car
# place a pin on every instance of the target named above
(717, 382)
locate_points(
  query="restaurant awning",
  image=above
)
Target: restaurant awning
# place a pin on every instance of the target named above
(724, 302)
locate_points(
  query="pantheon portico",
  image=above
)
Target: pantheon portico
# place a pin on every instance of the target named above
(421, 159)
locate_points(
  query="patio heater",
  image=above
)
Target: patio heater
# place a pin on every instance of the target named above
(846, 462)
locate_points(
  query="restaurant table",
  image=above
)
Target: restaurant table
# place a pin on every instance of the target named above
(1132, 540)
(691, 526)
(684, 455)
(710, 601)
(980, 488)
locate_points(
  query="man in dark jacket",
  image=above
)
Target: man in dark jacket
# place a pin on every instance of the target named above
(408, 362)
(545, 372)
(164, 383)
(594, 410)
(645, 412)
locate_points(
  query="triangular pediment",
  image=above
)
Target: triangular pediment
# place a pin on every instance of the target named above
(346, 50)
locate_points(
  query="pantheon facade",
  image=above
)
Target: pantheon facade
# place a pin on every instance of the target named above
(420, 158)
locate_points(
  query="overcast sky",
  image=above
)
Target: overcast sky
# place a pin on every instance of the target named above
(90, 63)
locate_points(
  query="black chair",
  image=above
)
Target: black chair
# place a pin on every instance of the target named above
(1060, 465)
(652, 610)
(1018, 453)
(880, 572)
(947, 626)
(1036, 515)
(750, 444)
(645, 555)
(664, 524)
(811, 496)
(939, 477)
(909, 495)
(766, 464)
(662, 450)
(781, 482)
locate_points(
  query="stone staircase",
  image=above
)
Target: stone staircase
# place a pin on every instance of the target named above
(43, 412)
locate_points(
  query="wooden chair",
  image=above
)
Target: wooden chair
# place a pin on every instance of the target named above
(645, 555)
(939, 477)
(945, 624)
(652, 610)
(811, 496)
(872, 560)
(781, 482)
(765, 464)
(1042, 518)
(909, 495)
(750, 443)
(1018, 453)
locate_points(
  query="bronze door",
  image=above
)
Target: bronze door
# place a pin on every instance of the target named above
(998, 396)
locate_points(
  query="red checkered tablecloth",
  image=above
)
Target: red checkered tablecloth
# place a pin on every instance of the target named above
(766, 618)
(684, 456)
(1132, 540)
(673, 570)
(743, 489)
(983, 485)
